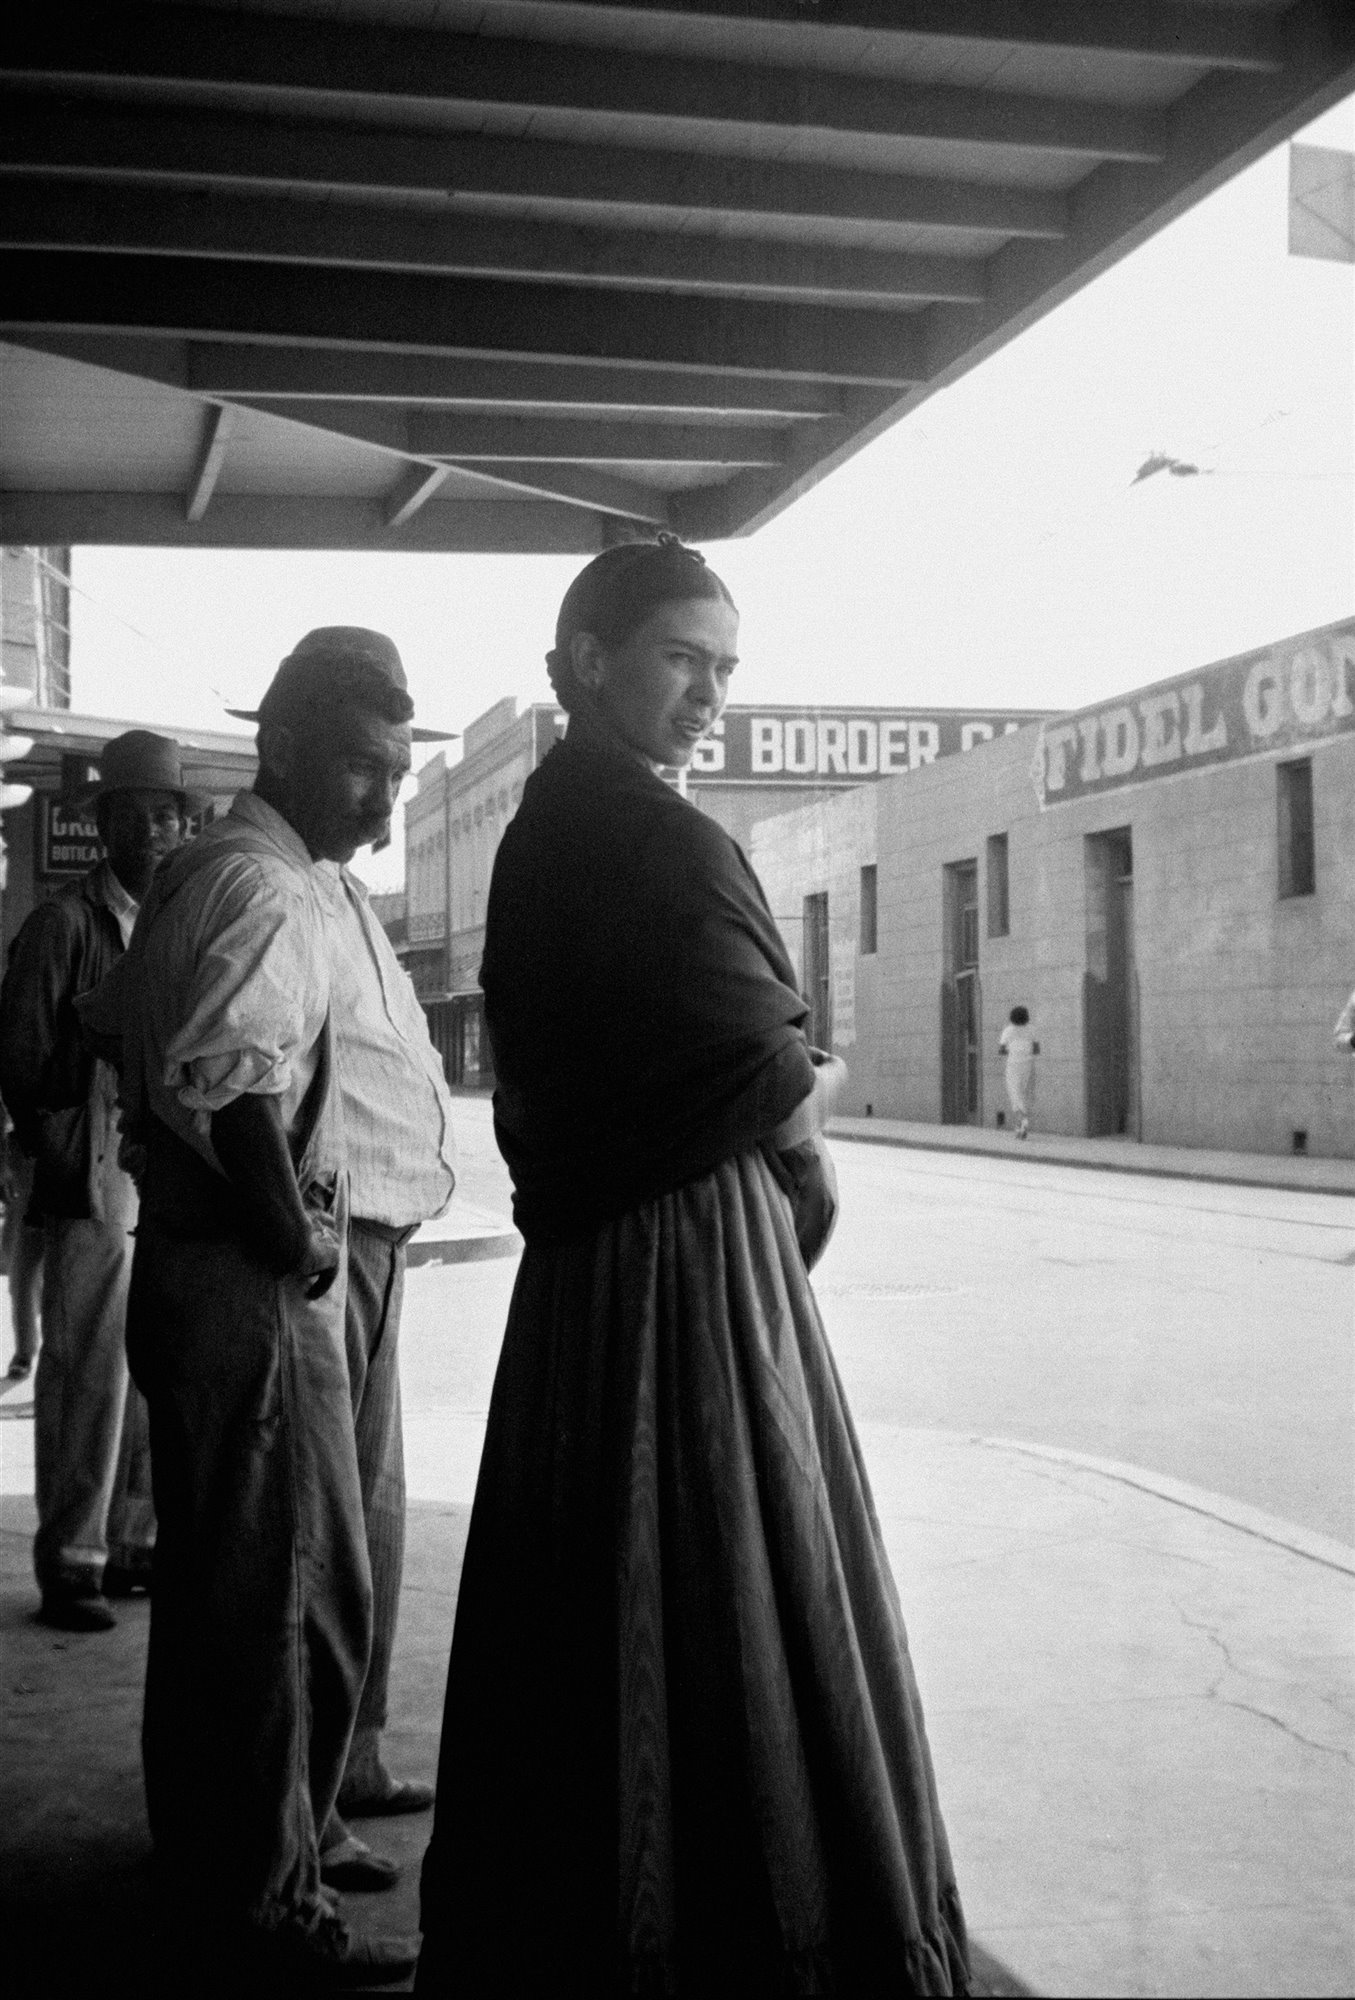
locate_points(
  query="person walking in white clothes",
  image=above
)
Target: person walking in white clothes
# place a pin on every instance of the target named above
(1019, 1046)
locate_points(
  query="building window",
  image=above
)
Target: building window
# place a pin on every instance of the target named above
(999, 906)
(869, 915)
(1294, 810)
(818, 986)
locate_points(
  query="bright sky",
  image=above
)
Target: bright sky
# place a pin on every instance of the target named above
(989, 550)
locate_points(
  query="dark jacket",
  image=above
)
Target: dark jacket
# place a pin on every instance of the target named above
(643, 1012)
(53, 1088)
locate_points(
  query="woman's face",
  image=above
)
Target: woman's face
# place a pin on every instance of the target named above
(664, 687)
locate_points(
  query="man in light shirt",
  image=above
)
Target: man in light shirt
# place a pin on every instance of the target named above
(396, 1115)
(261, 1616)
(96, 1522)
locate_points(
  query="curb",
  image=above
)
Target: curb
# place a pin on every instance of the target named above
(1184, 1171)
(463, 1249)
(1237, 1514)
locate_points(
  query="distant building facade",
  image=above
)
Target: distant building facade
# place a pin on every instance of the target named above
(35, 623)
(1166, 881)
(757, 761)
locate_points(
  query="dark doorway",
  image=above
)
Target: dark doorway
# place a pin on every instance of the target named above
(1110, 989)
(961, 998)
(818, 975)
(456, 1027)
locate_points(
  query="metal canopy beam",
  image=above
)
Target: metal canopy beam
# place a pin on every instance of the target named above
(45, 135)
(411, 491)
(397, 310)
(338, 59)
(216, 430)
(340, 374)
(542, 440)
(263, 521)
(1219, 127)
(64, 213)
(596, 492)
(573, 485)
(1223, 37)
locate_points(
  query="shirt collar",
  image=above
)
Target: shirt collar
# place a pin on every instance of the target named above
(266, 819)
(111, 893)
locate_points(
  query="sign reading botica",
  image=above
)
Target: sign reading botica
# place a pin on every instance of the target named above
(68, 839)
(1297, 692)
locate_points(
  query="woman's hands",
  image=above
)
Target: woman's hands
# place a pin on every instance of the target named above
(813, 1112)
(830, 1080)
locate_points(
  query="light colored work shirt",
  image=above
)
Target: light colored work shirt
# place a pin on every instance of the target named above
(397, 1112)
(116, 899)
(225, 988)
(112, 1198)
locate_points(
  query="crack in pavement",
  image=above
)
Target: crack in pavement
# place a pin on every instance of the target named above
(1230, 1666)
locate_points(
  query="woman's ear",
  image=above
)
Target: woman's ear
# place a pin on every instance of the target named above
(585, 656)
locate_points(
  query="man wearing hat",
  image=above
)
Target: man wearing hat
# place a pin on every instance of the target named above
(261, 1619)
(96, 1524)
(397, 1120)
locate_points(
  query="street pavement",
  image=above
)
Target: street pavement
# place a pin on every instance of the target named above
(1108, 1420)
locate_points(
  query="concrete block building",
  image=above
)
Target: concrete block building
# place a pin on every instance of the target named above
(1166, 881)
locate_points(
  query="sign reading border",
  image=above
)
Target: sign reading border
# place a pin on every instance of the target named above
(827, 746)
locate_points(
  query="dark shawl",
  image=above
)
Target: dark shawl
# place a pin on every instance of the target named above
(641, 1008)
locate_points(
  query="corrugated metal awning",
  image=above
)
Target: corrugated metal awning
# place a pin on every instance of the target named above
(533, 274)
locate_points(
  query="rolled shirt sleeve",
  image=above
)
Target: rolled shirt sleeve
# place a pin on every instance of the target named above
(249, 1027)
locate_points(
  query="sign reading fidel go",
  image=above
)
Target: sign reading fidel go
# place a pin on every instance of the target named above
(1297, 692)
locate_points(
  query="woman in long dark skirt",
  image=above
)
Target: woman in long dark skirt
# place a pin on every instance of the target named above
(683, 1752)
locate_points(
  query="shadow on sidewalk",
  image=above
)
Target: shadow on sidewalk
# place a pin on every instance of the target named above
(80, 1911)
(81, 1914)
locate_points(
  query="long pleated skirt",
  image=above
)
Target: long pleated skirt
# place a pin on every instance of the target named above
(683, 1751)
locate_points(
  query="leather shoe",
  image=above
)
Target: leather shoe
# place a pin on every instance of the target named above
(127, 1579)
(352, 1864)
(325, 1956)
(375, 1797)
(76, 1611)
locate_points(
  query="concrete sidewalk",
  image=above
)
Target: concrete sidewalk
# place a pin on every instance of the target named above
(1140, 1699)
(1139, 1704)
(1112, 1156)
(1139, 1693)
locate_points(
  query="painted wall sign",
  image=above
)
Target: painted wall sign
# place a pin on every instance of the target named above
(826, 746)
(68, 841)
(842, 960)
(1283, 696)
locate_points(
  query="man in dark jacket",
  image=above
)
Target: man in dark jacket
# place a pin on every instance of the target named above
(96, 1522)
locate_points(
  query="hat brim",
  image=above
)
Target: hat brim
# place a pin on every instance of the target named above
(419, 734)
